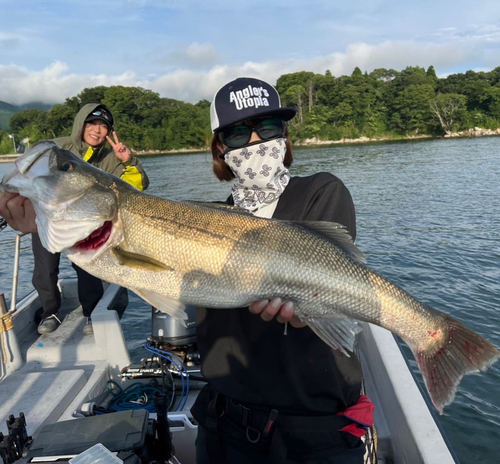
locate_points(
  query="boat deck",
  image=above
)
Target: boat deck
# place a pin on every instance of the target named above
(60, 370)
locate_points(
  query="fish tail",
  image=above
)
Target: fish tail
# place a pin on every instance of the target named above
(460, 351)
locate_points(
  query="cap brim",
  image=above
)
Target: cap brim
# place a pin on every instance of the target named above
(93, 118)
(285, 113)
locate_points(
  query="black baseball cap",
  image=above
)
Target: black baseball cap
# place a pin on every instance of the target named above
(102, 113)
(246, 98)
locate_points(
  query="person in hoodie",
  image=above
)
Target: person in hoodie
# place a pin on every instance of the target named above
(92, 128)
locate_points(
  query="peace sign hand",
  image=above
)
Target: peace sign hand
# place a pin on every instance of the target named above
(121, 151)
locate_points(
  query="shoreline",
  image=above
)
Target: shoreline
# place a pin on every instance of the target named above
(315, 142)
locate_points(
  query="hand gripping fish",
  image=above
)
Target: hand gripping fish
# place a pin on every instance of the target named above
(174, 254)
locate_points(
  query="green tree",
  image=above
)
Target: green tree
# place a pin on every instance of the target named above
(341, 113)
(491, 102)
(60, 120)
(286, 81)
(473, 85)
(92, 95)
(30, 123)
(413, 108)
(295, 96)
(431, 73)
(383, 75)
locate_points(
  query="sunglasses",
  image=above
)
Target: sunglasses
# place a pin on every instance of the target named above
(238, 136)
(102, 114)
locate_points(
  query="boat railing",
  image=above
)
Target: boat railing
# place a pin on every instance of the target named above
(11, 358)
(15, 275)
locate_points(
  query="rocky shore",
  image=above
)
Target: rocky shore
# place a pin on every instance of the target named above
(475, 132)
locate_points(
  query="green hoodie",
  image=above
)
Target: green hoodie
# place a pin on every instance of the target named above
(103, 157)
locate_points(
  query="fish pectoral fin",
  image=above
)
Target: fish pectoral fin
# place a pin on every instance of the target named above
(338, 234)
(339, 333)
(138, 261)
(174, 308)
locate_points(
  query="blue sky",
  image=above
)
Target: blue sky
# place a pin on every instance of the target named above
(187, 49)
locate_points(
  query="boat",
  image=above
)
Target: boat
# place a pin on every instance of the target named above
(56, 389)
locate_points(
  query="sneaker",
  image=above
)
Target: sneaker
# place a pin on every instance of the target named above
(49, 324)
(87, 328)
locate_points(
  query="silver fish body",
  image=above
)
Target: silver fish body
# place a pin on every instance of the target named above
(178, 253)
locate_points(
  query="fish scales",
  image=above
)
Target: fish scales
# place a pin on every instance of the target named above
(222, 247)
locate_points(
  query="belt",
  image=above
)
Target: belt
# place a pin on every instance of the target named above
(254, 428)
(258, 422)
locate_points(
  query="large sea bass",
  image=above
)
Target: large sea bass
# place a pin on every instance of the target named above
(177, 253)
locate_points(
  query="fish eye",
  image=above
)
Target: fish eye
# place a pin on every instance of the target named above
(67, 166)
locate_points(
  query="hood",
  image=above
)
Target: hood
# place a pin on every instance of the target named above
(79, 124)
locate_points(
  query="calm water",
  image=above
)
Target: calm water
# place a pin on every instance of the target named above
(428, 218)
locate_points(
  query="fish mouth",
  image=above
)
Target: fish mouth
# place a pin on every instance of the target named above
(96, 239)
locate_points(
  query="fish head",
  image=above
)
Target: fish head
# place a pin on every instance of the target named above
(72, 199)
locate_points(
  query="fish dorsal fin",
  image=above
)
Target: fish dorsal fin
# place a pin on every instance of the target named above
(137, 261)
(338, 234)
(220, 206)
(338, 333)
(174, 308)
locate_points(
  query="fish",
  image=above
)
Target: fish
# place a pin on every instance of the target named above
(178, 253)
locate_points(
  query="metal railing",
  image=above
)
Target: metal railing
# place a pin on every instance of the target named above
(15, 275)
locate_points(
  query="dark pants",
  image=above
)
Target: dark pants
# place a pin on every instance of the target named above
(45, 275)
(234, 456)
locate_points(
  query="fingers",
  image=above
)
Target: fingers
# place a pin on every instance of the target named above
(267, 309)
(4, 209)
(18, 212)
(297, 323)
(108, 138)
(116, 142)
(276, 309)
(121, 151)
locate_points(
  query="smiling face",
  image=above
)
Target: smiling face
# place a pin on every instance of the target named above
(94, 133)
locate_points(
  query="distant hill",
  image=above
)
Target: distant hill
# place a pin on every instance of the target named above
(7, 110)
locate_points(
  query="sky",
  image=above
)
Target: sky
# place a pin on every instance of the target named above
(187, 49)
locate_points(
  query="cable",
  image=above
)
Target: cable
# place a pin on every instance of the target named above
(173, 359)
(181, 370)
(135, 396)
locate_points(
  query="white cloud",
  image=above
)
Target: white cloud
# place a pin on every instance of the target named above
(55, 83)
(51, 85)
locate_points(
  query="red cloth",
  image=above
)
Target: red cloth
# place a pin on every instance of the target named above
(361, 413)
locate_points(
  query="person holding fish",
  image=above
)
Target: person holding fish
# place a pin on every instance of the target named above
(271, 396)
(91, 129)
